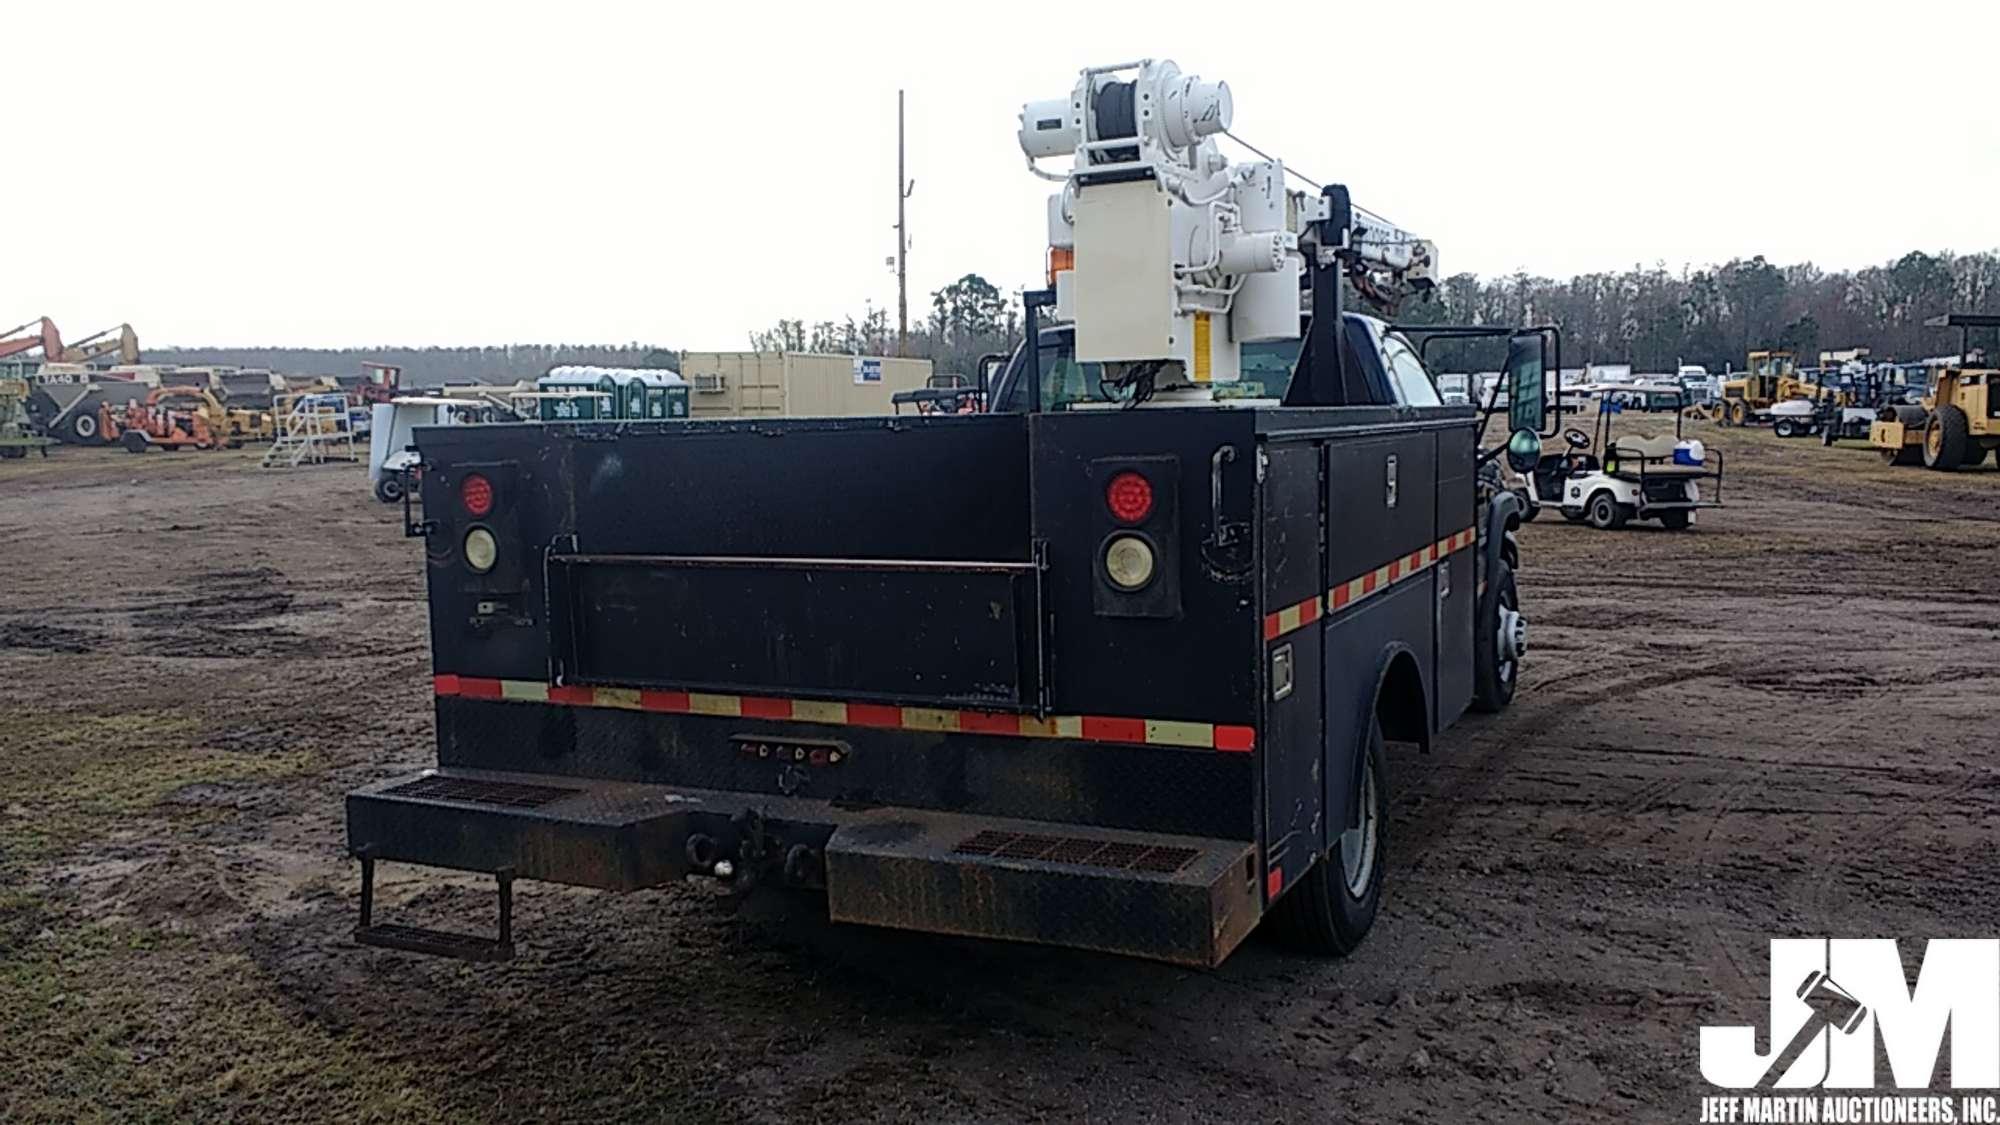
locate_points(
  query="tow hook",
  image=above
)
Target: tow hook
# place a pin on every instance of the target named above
(705, 856)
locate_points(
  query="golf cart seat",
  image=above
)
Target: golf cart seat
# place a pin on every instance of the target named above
(1657, 454)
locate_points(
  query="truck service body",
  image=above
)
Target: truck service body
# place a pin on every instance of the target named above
(1110, 675)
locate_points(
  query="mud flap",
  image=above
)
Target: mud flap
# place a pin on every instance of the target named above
(1186, 900)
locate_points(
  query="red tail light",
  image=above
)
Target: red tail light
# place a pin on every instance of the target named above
(476, 494)
(1129, 497)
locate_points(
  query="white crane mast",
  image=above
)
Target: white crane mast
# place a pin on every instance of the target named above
(1166, 256)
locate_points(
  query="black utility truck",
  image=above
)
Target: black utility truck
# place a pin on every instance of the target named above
(1108, 664)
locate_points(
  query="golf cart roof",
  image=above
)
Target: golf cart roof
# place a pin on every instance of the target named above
(433, 400)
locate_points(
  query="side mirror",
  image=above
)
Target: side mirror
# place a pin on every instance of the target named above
(1524, 451)
(1527, 384)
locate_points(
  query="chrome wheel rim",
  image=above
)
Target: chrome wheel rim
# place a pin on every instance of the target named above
(1510, 640)
(1358, 844)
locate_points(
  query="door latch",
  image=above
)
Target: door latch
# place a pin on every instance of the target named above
(1390, 469)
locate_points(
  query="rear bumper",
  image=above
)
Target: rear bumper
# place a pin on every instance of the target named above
(1183, 899)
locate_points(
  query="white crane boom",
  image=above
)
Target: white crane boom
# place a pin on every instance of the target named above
(1166, 256)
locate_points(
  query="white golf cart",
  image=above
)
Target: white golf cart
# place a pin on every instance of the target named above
(391, 457)
(1644, 478)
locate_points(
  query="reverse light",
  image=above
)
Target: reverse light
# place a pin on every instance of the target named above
(481, 551)
(475, 493)
(1128, 562)
(1129, 497)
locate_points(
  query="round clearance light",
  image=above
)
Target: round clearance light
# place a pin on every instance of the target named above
(1128, 562)
(481, 552)
(476, 493)
(1129, 496)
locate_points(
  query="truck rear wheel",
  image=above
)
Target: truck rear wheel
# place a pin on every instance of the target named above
(1332, 907)
(389, 489)
(133, 441)
(1786, 428)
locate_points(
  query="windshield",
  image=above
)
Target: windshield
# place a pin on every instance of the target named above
(1267, 371)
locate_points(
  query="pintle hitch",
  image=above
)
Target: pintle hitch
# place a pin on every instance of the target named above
(437, 943)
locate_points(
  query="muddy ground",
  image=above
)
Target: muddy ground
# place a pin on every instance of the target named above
(1776, 724)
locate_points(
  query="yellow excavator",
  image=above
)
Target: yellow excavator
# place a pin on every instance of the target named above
(121, 342)
(1959, 421)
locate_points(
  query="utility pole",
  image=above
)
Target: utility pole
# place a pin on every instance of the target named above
(903, 189)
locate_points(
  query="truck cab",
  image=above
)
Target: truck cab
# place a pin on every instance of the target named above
(1391, 369)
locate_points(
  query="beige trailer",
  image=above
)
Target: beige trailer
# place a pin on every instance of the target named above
(796, 384)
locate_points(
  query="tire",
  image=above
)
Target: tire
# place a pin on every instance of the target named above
(1529, 510)
(1739, 413)
(389, 489)
(13, 452)
(1676, 520)
(1333, 906)
(1494, 673)
(1974, 454)
(1604, 512)
(1945, 439)
(133, 441)
(82, 428)
(1573, 517)
(1785, 428)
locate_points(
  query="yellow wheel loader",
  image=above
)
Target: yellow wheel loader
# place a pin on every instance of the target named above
(1959, 421)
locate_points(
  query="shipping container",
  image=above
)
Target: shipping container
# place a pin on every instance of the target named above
(797, 384)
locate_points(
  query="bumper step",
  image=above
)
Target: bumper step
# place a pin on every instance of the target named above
(1185, 899)
(436, 943)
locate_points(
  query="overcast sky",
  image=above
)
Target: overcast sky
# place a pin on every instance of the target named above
(415, 173)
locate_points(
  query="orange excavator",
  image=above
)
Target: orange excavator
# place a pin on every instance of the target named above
(45, 337)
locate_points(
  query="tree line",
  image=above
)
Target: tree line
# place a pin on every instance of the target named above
(1655, 319)
(1649, 317)
(968, 318)
(428, 367)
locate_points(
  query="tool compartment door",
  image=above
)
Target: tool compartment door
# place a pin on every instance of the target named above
(1293, 581)
(847, 559)
(961, 634)
(1456, 580)
(1381, 504)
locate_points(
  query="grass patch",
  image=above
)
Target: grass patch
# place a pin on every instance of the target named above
(69, 776)
(124, 1023)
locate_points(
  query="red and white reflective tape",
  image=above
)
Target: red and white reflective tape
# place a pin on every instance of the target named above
(1087, 728)
(1356, 589)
